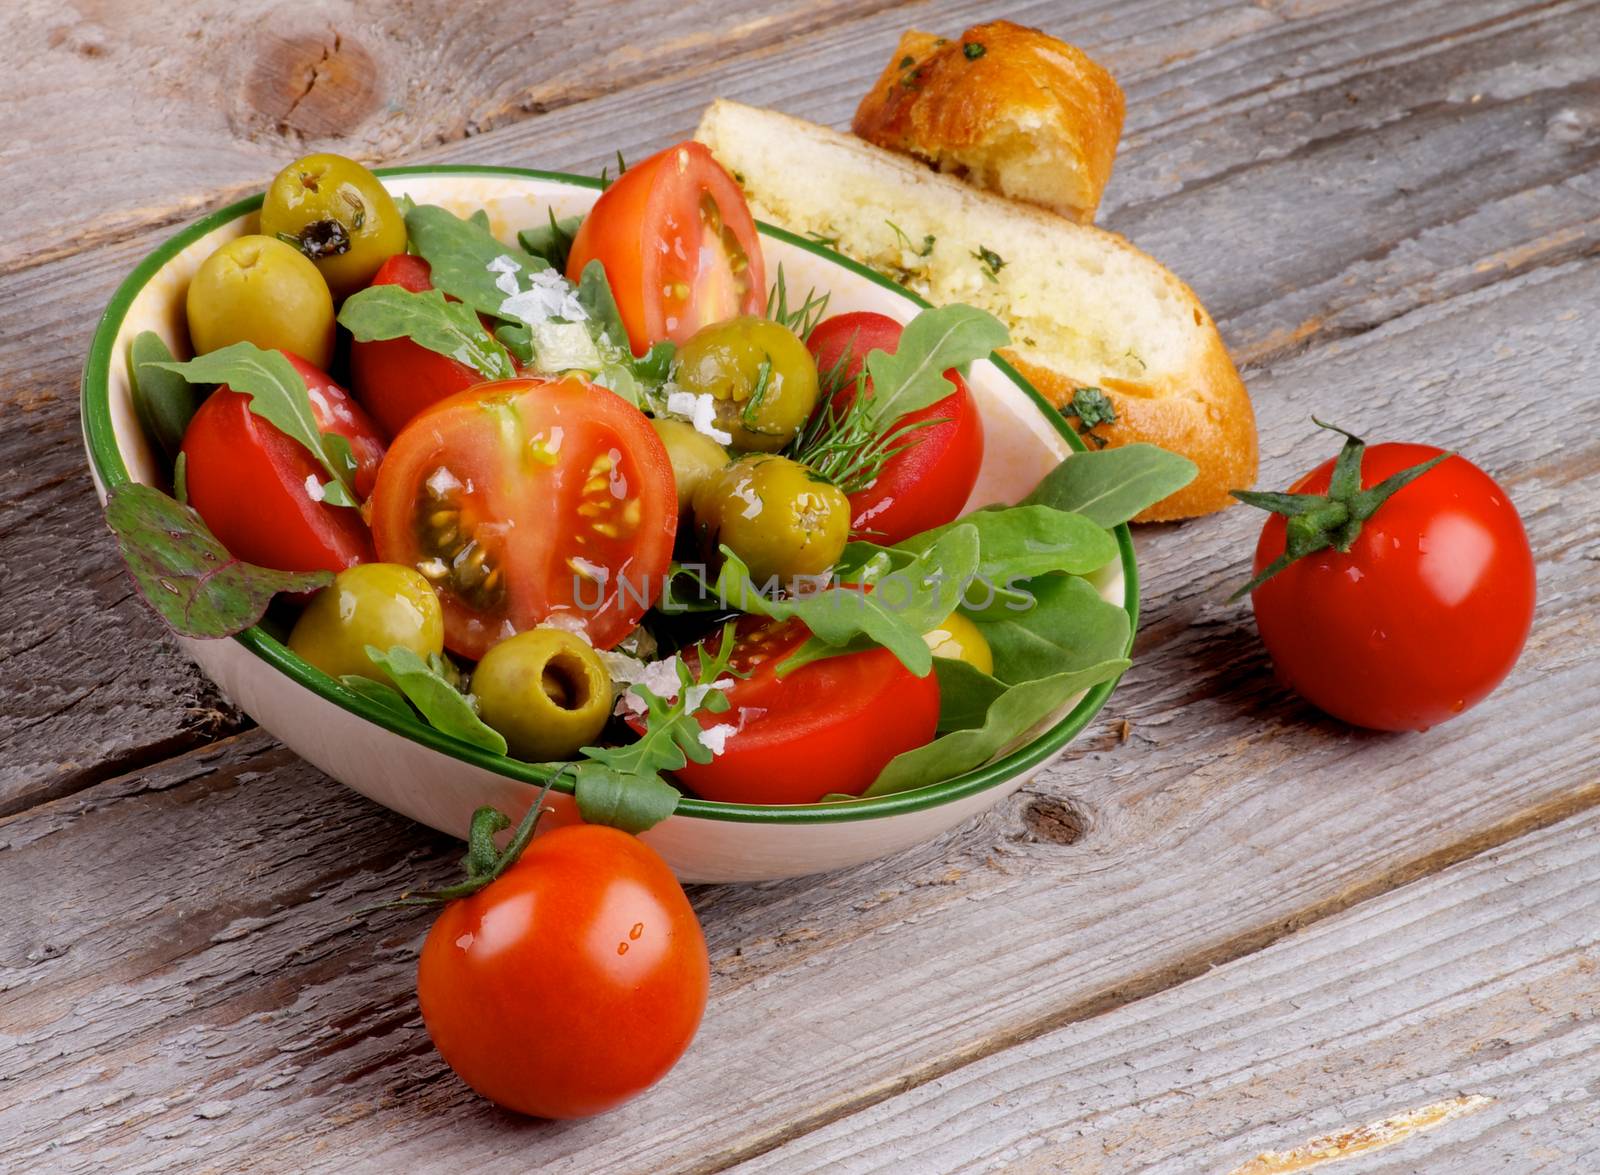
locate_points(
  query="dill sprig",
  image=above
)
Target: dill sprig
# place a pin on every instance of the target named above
(801, 319)
(844, 443)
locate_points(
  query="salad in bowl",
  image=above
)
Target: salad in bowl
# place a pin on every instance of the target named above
(472, 482)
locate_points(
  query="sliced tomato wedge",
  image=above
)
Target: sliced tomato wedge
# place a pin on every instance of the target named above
(927, 483)
(259, 490)
(678, 244)
(828, 726)
(397, 378)
(527, 500)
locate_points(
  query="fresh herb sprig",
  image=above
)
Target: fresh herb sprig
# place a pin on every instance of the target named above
(801, 319)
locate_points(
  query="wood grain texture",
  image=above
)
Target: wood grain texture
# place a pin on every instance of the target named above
(133, 114)
(161, 1011)
(1471, 991)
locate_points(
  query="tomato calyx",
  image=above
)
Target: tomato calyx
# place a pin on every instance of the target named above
(484, 862)
(1315, 522)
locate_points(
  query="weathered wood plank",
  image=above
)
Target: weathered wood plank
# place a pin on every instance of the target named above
(1470, 993)
(144, 992)
(122, 115)
(79, 713)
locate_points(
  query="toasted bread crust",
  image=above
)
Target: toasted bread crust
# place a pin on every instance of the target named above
(1025, 91)
(1207, 418)
(1193, 403)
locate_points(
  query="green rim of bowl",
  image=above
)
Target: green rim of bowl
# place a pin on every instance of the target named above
(108, 465)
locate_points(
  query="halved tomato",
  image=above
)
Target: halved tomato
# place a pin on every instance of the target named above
(678, 244)
(259, 490)
(828, 726)
(397, 378)
(525, 500)
(927, 483)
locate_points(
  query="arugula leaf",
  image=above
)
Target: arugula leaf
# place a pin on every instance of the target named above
(605, 320)
(1110, 486)
(277, 395)
(965, 694)
(934, 341)
(622, 786)
(185, 574)
(517, 338)
(444, 708)
(180, 477)
(163, 401)
(900, 607)
(461, 252)
(389, 698)
(1019, 542)
(429, 319)
(553, 242)
(1069, 626)
(1009, 718)
(632, 803)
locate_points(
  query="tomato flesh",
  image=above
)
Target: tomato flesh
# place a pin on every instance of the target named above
(1422, 617)
(828, 726)
(397, 378)
(251, 483)
(678, 244)
(572, 982)
(526, 500)
(928, 481)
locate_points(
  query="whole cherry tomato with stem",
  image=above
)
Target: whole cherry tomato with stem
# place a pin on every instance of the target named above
(567, 974)
(1394, 585)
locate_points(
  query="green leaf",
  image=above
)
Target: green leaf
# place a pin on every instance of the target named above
(163, 400)
(595, 296)
(1019, 542)
(933, 342)
(444, 707)
(187, 576)
(379, 694)
(180, 477)
(1069, 627)
(517, 338)
(461, 253)
(632, 803)
(965, 694)
(901, 606)
(1010, 717)
(277, 395)
(1110, 486)
(430, 320)
(553, 241)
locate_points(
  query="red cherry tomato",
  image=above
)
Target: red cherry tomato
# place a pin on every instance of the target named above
(1422, 617)
(928, 482)
(526, 498)
(572, 982)
(678, 245)
(397, 378)
(252, 483)
(828, 726)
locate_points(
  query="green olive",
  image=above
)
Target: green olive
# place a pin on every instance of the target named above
(258, 290)
(378, 604)
(779, 517)
(958, 639)
(694, 456)
(546, 691)
(761, 375)
(337, 213)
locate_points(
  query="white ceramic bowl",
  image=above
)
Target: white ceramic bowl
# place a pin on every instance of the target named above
(412, 768)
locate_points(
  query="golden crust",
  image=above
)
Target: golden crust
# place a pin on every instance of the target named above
(1029, 117)
(1206, 417)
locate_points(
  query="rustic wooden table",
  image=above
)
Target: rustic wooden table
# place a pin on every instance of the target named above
(1222, 928)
